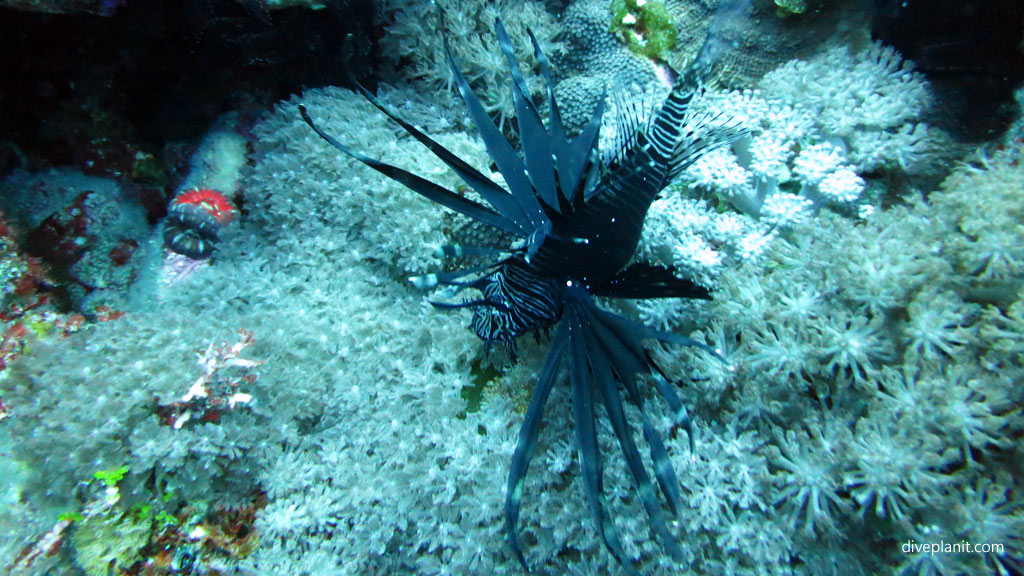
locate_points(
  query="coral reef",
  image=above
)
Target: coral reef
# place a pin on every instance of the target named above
(836, 330)
(419, 56)
(869, 407)
(86, 229)
(603, 54)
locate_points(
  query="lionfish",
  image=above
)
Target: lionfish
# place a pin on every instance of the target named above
(576, 218)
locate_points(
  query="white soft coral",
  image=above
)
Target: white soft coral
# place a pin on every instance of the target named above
(894, 471)
(935, 326)
(872, 100)
(809, 481)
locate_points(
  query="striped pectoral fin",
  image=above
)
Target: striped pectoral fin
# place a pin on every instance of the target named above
(663, 469)
(641, 332)
(582, 383)
(627, 357)
(601, 361)
(527, 441)
(623, 431)
(701, 134)
(680, 417)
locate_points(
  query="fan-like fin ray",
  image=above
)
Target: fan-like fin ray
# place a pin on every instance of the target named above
(711, 135)
(631, 118)
(527, 440)
(422, 186)
(643, 281)
(584, 161)
(559, 143)
(571, 156)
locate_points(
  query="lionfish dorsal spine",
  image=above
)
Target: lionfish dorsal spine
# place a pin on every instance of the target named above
(534, 137)
(509, 163)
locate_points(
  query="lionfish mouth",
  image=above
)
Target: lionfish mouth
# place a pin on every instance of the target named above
(577, 220)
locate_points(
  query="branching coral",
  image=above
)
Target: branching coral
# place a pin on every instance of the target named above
(971, 411)
(993, 517)
(936, 326)
(698, 241)
(873, 100)
(1004, 331)
(779, 352)
(854, 346)
(819, 129)
(991, 243)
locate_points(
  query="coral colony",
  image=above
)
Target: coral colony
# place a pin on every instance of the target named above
(770, 324)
